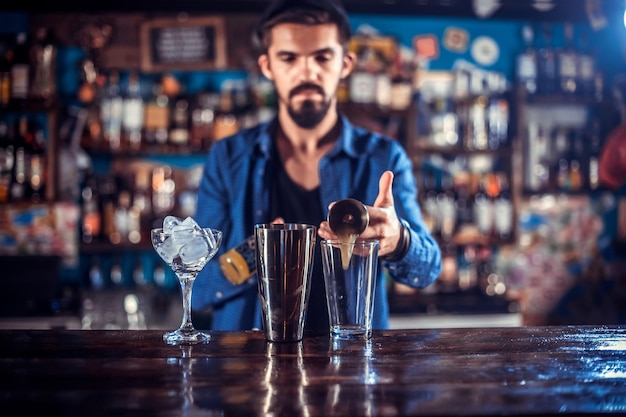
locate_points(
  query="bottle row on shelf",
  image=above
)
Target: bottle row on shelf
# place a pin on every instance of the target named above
(569, 70)
(23, 160)
(121, 208)
(468, 207)
(562, 158)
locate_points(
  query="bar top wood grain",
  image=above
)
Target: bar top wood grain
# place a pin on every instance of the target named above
(419, 372)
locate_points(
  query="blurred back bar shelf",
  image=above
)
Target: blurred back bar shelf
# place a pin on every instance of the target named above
(505, 158)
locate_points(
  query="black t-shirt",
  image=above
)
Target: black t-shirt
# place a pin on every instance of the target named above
(297, 205)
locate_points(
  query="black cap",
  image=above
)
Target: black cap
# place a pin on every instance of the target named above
(333, 7)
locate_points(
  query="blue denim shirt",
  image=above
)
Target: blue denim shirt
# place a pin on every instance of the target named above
(234, 195)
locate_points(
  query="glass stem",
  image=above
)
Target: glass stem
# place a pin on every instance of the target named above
(186, 283)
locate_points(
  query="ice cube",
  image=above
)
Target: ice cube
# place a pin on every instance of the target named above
(190, 222)
(195, 226)
(182, 234)
(168, 250)
(193, 250)
(169, 222)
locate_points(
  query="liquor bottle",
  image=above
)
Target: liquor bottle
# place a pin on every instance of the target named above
(363, 79)
(547, 65)
(111, 108)
(432, 214)
(19, 180)
(96, 277)
(5, 75)
(239, 263)
(483, 209)
(202, 121)
(477, 130)
(7, 155)
(156, 118)
(401, 84)
(446, 208)
(116, 274)
(43, 54)
(526, 62)
(576, 177)
(567, 62)
(586, 69)
(142, 201)
(163, 190)
(383, 88)
(498, 122)
(179, 123)
(595, 148)
(537, 166)
(121, 216)
(133, 113)
(503, 210)
(463, 205)
(444, 125)
(91, 218)
(20, 71)
(37, 162)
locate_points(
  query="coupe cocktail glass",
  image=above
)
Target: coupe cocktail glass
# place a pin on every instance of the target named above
(186, 248)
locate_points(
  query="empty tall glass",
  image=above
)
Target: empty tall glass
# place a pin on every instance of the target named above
(350, 271)
(284, 261)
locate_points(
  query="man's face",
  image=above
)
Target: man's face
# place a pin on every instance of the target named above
(306, 62)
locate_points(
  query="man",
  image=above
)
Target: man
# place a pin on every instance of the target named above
(294, 167)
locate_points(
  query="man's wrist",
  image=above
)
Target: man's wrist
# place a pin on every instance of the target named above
(403, 245)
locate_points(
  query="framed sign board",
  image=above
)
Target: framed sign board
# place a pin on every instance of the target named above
(183, 44)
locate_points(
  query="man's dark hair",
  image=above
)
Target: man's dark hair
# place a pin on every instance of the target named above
(306, 12)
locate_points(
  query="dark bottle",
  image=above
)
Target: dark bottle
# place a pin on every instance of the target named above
(37, 162)
(43, 55)
(19, 179)
(526, 63)
(179, 123)
(7, 158)
(91, 217)
(586, 69)
(5, 75)
(547, 64)
(463, 205)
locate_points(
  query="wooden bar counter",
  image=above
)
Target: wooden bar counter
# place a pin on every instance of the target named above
(477, 372)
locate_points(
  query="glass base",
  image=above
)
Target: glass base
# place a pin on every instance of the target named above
(189, 337)
(351, 332)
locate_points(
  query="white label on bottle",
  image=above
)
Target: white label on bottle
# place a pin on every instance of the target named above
(567, 65)
(526, 67)
(19, 81)
(483, 215)
(132, 118)
(362, 87)
(503, 216)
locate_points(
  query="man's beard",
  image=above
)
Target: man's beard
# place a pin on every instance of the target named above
(308, 116)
